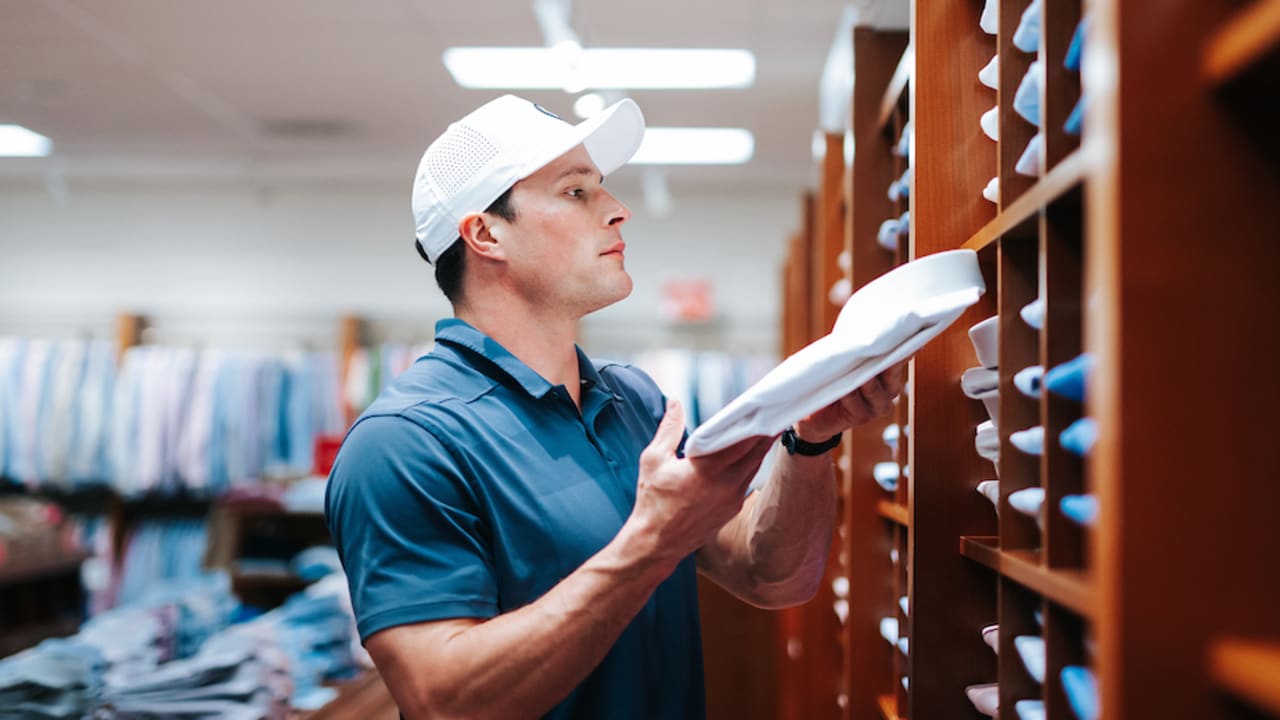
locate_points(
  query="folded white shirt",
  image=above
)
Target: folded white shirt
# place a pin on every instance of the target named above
(889, 629)
(987, 441)
(903, 148)
(977, 381)
(1033, 314)
(991, 401)
(991, 636)
(886, 475)
(990, 489)
(890, 436)
(990, 122)
(985, 698)
(989, 75)
(887, 237)
(884, 323)
(1028, 380)
(1029, 441)
(1030, 709)
(1027, 501)
(992, 191)
(840, 292)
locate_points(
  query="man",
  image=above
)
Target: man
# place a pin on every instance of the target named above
(520, 533)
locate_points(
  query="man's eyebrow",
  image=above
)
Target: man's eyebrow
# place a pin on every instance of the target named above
(578, 170)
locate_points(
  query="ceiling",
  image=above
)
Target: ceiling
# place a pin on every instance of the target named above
(323, 90)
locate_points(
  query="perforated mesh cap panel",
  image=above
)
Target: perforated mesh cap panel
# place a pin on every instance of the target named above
(456, 157)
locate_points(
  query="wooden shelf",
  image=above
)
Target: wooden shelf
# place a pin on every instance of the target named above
(888, 705)
(1069, 588)
(1247, 669)
(259, 578)
(1242, 42)
(894, 512)
(1022, 213)
(41, 564)
(897, 86)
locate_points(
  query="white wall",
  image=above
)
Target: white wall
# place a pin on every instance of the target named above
(216, 257)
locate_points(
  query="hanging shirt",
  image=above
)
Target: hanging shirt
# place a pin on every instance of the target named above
(472, 486)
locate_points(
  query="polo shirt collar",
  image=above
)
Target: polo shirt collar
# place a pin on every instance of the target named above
(460, 333)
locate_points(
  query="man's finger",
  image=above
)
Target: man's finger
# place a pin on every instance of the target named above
(670, 430)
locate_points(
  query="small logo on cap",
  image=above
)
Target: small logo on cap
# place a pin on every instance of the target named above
(545, 111)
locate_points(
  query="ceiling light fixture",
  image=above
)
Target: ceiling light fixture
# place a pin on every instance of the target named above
(541, 68)
(695, 146)
(588, 105)
(17, 141)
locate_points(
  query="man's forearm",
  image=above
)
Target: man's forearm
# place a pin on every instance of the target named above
(521, 663)
(773, 554)
(791, 526)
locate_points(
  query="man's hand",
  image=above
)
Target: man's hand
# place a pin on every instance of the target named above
(858, 407)
(684, 501)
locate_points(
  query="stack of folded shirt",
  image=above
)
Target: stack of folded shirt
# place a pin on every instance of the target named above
(55, 679)
(983, 383)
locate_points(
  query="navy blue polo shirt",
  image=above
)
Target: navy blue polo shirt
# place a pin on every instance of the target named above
(471, 486)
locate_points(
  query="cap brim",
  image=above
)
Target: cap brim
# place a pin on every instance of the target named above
(611, 138)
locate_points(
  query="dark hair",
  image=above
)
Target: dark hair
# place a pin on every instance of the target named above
(452, 262)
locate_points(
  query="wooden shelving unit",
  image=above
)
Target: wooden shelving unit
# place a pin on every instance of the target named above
(1249, 670)
(1150, 239)
(1245, 40)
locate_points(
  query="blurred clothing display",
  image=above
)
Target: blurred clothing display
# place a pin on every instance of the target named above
(166, 421)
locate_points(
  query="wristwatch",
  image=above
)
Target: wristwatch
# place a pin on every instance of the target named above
(796, 446)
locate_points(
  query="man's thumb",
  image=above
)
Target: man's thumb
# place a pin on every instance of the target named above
(671, 429)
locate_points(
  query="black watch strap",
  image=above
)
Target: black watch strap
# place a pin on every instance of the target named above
(797, 446)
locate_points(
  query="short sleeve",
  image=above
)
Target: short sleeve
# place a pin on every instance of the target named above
(407, 528)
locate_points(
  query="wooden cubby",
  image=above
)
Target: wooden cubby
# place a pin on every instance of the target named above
(1150, 239)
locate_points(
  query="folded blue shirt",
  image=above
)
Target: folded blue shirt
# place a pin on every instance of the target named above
(1075, 121)
(1070, 378)
(1082, 691)
(1076, 49)
(1082, 509)
(1079, 437)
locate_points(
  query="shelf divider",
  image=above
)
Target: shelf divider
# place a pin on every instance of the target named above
(888, 705)
(1020, 216)
(897, 86)
(894, 512)
(1069, 588)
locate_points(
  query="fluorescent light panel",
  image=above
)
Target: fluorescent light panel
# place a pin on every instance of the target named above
(17, 141)
(695, 146)
(534, 68)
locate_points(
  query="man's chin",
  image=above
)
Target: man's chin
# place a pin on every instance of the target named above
(621, 292)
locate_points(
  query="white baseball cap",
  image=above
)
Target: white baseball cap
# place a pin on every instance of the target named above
(503, 142)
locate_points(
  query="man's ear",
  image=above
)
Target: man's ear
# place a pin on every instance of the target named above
(477, 231)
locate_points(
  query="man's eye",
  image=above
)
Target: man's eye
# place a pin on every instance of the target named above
(576, 192)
